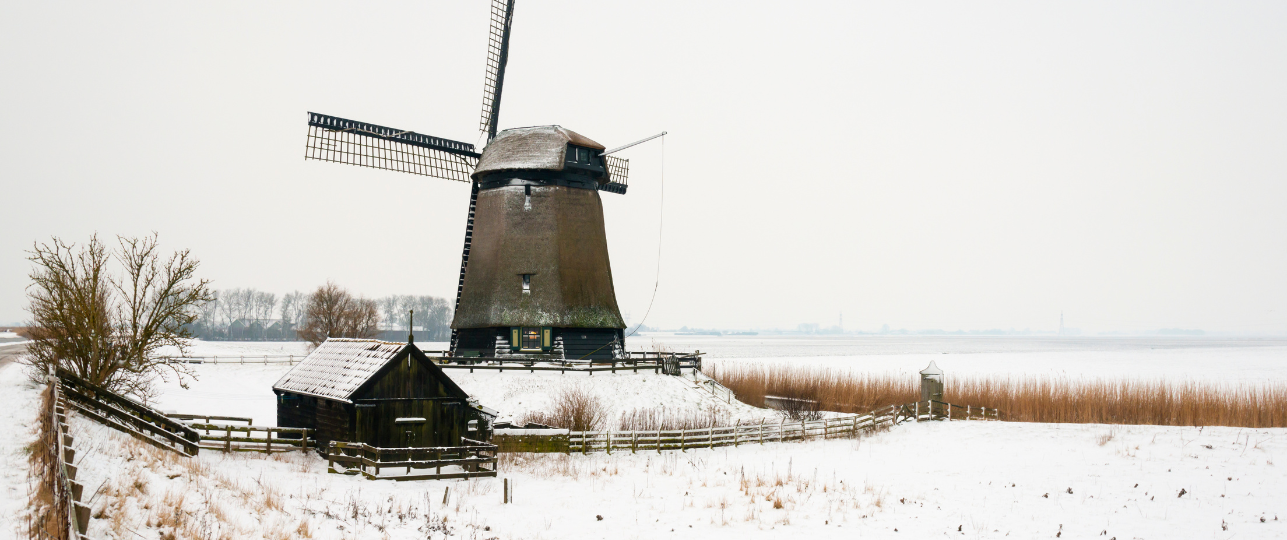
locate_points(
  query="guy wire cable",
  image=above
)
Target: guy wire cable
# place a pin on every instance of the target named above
(661, 222)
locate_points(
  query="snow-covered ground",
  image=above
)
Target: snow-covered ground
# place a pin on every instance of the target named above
(246, 390)
(963, 479)
(1170, 358)
(19, 400)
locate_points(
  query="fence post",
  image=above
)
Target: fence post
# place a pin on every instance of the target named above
(634, 442)
(227, 443)
(584, 450)
(949, 412)
(918, 412)
(268, 446)
(802, 431)
(659, 439)
(608, 447)
(761, 431)
(737, 426)
(967, 412)
(711, 434)
(304, 441)
(683, 438)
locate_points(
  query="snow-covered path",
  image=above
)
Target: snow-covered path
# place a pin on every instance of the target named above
(18, 402)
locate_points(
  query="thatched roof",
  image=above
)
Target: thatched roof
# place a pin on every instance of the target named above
(530, 148)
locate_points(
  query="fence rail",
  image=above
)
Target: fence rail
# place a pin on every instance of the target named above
(739, 434)
(117, 412)
(230, 438)
(476, 459)
(669, 364)
(265, 359)
(65, 517)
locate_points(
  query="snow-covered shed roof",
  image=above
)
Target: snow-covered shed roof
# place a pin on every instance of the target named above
(338, 367)
(530, 148)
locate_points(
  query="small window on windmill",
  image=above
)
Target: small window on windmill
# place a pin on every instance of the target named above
(527, 283)
(531, 339)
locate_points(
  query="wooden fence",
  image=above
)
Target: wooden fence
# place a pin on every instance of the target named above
(738, 434)
(250, 438)
(263, 359)
(667, 363)
(117, 412)
(474, 460)
(65, 517)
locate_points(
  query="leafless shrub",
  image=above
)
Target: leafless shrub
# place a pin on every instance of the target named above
(573, 408)
(107, 326)
(333, 312)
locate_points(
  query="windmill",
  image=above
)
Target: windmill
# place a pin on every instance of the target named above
(534, 272)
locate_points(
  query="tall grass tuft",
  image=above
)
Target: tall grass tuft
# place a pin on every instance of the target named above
(1024, 399)
(573, 408)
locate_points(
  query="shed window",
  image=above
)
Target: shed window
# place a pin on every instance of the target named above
(527, 283)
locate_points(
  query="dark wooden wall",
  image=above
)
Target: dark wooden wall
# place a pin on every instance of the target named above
(403, 389)
(445, 422)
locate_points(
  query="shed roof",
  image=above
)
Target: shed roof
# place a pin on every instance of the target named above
(530, 148)
(338, 367)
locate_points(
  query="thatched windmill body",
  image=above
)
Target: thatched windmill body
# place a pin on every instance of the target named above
(534, 274)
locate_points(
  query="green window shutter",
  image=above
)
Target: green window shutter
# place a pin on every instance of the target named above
(547, 340)
(514, 339)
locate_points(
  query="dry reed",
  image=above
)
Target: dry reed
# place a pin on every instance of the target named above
(1025, 399)
(662, 419)
(573, 408)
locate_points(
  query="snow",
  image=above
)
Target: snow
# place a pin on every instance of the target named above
(338, 367)
(19, 401)
(1232, 360)
(958, 479)
(983, 479)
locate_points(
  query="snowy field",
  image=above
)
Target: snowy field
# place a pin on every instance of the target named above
(963, 479)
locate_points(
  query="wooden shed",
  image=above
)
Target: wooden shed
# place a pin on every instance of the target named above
(384, 394)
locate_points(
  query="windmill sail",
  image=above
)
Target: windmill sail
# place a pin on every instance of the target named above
(368, 145)
(618, 169)
(497, 56)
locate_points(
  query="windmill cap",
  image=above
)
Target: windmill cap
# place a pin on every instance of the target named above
(539, 148)
(932, 369)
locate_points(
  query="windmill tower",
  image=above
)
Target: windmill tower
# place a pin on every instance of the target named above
(534, 272)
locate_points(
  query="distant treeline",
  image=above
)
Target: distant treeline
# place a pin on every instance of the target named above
(253, 315)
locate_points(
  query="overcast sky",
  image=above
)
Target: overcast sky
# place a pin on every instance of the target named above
(918, 164)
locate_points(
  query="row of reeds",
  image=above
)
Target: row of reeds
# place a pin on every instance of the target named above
(1024, 399)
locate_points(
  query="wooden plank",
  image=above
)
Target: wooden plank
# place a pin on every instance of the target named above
(127, 429)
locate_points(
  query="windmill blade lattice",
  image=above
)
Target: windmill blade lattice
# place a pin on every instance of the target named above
(368, 145)
(497, 56)
(618, 170)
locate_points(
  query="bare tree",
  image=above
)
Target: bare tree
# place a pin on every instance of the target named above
(333, 312)
(110, 327)
(292, 306)
(228, 306)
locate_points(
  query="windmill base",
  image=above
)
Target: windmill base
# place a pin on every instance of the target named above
(589, 344)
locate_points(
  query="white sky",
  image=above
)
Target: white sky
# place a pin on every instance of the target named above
(922, 164)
